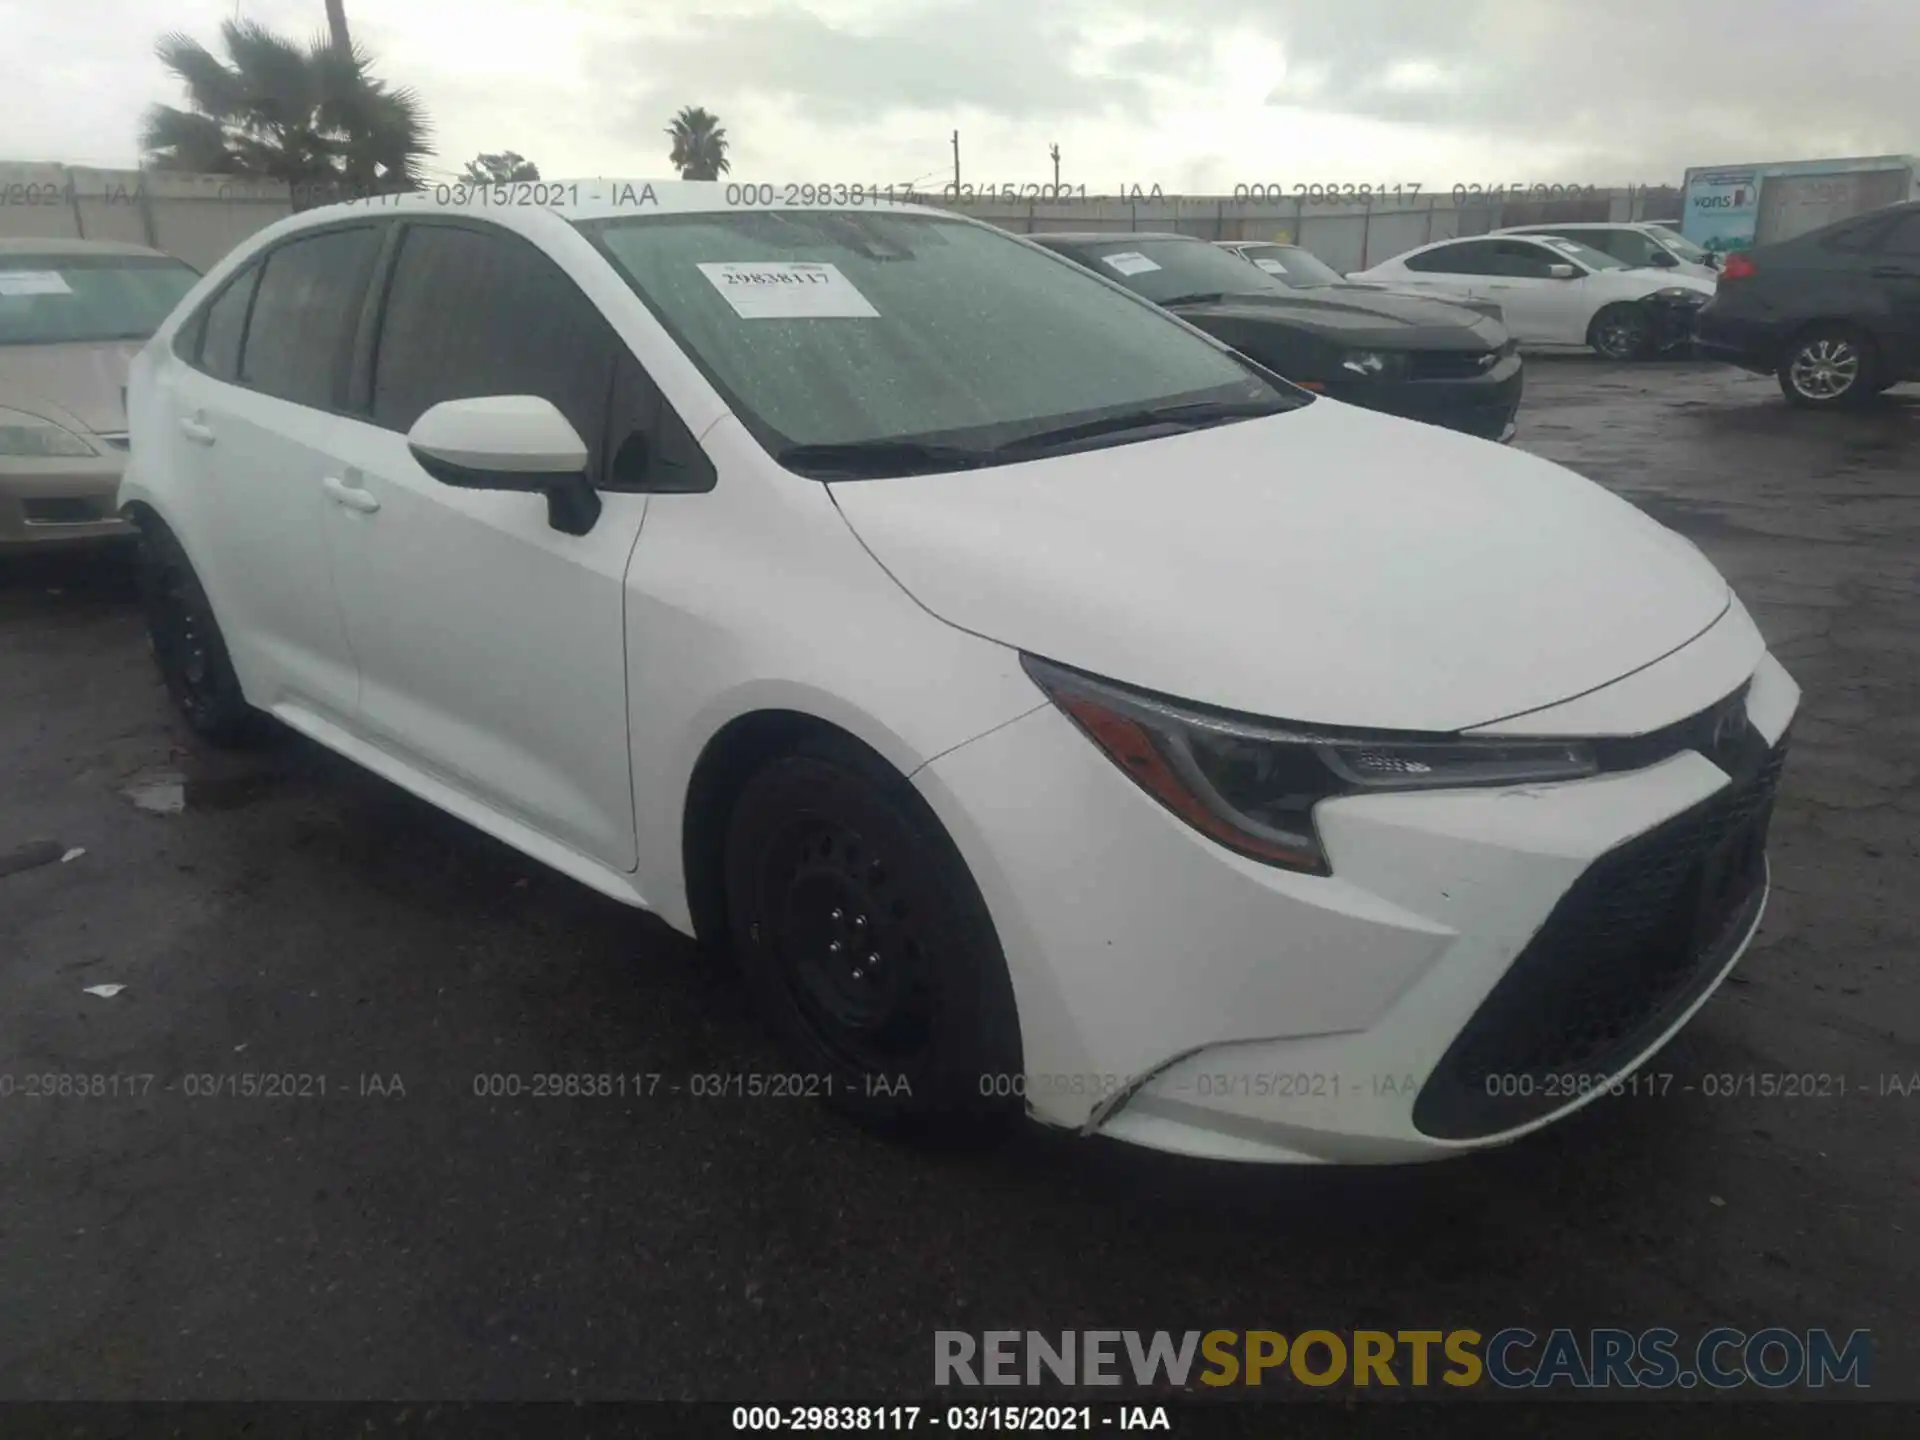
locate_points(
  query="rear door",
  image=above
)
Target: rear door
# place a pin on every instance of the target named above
(1455, 270)
(1896, 268)
(491, 645)
(258, 408)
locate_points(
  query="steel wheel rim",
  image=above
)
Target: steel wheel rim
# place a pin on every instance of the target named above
(843, 938)
(184, 642)
(1825, 369)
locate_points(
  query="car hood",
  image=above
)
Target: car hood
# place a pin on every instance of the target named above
(1354, 315)
(1327, 564)
(87, 381)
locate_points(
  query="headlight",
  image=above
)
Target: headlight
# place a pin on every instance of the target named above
(1374, 364)
(24, 434)
(1252, 784)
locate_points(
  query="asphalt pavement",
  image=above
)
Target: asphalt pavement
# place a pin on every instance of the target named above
(385, 1231)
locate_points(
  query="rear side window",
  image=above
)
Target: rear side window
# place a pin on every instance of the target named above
(307, 306)
(473, 312)
(224, 323)
(1471, 257)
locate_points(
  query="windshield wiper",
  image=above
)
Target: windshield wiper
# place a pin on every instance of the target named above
(1190, 416)
(878, 457)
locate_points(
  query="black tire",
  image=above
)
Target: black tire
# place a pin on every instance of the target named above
(188, 647)
(1829, 366)
(1622, 332)
(831, 862)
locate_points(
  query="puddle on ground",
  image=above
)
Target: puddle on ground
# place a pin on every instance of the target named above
(169, 791)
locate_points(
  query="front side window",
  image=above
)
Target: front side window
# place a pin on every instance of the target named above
(307, 305)
(840, 329)
(1586, 255)
(472, 312)
(1904, 238)
(71, 299)
(1524, 260)
(1680, 245)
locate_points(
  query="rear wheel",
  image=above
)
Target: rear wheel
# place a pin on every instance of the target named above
(1622, 332)
(187, 644)
(868, 948)
(1829, 366)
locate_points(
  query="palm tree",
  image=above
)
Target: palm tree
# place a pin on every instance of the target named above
(337, 26)
(699, 144)
(500, 169)
(303, 114)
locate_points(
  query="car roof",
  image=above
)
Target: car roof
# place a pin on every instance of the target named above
(60, 245)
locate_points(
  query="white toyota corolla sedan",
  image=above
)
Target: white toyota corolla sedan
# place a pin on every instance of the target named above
(1051, 710)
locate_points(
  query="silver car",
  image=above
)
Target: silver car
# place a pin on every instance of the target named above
(73, 313)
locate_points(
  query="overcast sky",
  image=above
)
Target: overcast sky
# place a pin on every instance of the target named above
(1195, 95)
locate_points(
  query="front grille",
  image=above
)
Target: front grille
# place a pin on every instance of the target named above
(1452, 364)
(1620, 957)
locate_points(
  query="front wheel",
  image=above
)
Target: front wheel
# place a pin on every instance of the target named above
(868, 947)
(1622, 332)
(1828, 367)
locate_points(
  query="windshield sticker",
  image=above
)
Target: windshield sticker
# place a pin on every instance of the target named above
(1129, 262)
(788, 290)
(1272, 267)
(33, 282)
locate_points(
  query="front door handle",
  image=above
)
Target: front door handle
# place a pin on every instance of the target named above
(1894, 272)
(195, 430)
(347, 495)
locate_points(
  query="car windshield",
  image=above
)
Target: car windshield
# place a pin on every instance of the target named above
(1291, 265)
(890, 343)
(1680, 245)
(1168, 271)
(1588, 256)
(76, 299)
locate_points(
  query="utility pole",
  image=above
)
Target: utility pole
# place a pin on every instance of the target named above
(956, 164)
(1054, 151)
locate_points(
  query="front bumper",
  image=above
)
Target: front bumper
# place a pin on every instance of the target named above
(1447, 988)
(1482, 403)
(47, 502)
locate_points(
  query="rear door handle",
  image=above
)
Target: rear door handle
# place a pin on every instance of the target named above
(348, 496)
(196, 431)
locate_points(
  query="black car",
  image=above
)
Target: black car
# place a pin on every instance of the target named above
(1835, 314)
(1407, 355)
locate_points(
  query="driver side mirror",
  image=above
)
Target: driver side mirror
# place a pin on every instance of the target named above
(1662, 260)
(510, 442)
(1562, 272)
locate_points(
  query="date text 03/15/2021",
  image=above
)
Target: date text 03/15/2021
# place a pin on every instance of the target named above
(910, 1419)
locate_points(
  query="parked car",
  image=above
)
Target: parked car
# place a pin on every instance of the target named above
(1556, 292)
(1645, 244)
(1834, 313)
(1301, 269)
(1405, 355)
(1050, 708)
(72, 315)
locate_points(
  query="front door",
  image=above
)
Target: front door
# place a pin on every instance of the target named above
(491, 646)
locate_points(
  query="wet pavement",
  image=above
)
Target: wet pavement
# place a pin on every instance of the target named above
(382, 1230)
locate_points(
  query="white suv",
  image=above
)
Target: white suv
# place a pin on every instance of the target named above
(1051, 709)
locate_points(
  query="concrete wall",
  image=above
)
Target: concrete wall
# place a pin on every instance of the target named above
(200, 217)
(196, 217)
